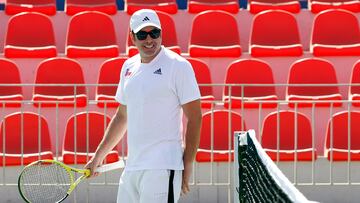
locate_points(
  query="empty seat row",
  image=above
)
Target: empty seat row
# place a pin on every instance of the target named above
(274, 33)
(310, 80)
(285, 136)
(72, 7)
(25, 137)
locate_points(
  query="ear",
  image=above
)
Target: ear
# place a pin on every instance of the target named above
(132, 37)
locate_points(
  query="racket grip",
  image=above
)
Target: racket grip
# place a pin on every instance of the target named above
(112, 166)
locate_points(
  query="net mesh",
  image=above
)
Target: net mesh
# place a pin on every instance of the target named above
(260, 180)
(44, 182)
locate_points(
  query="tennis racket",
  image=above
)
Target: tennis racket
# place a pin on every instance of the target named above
(52, 181)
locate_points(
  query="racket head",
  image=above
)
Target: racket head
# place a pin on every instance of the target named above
(47, 181)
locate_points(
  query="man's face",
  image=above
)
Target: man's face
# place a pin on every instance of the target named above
(148, 46)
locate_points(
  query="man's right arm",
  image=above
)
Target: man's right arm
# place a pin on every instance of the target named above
(113, 134)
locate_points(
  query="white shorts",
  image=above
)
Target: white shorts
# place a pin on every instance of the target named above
(148, 186)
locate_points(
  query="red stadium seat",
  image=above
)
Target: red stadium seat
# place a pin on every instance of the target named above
(167, 6)
(91, 34)
(60, 71)
(312, 71)
(197, 6)
(73, 7)
(257, 6)
(20, 132)
(86, 130)
(47, 7)
(109, 74)
(354, 92)
(335, 33)
(337, 137)
(317, 6)
(283, 146)
(202, 74)
(218, 148)
(30, 35)
(249, 71)
(221, 39)
(275, 33)
(168, 34)
(10, 96)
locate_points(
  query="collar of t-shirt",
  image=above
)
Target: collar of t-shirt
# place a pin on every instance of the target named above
(157, 57)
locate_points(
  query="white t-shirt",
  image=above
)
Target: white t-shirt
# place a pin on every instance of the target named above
(153, 93)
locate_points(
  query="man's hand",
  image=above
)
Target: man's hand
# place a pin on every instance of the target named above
(92, 166)
(186, 178)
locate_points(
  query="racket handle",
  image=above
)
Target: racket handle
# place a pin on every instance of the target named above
(112, 166)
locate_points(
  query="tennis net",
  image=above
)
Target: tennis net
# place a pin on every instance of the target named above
(260, 180)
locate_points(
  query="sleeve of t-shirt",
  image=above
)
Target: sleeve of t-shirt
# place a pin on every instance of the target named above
(119, 96)
(185, 83)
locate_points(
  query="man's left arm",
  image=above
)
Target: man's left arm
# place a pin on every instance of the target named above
(192, 112)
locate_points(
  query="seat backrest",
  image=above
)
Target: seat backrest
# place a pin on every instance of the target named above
(214, 28)
(202, 74)
(91, 29)
(168, 33)
(249, 71)
(274, 28)
(335, 27)
(59, 71)
(29, 29)
(337, 132)
(24, 129)
(222, 132)
(312, 71)
(290, 124)
(89, 128)
(355, 78)
(9, 75)
(110, 74)
(90, 3)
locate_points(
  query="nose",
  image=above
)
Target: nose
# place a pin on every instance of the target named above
(148, 38)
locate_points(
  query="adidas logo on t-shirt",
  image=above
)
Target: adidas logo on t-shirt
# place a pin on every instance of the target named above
(158, 71)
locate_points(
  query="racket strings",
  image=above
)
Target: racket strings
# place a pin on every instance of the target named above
(45, 183)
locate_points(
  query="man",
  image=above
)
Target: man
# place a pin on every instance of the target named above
(156, 87)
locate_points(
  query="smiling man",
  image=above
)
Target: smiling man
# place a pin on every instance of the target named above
(156, 87)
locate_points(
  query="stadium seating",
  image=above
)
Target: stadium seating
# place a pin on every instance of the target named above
(62, 71)
(167, 6)
(20, 132)
(221, 39)
(335, 33)
(168, 34)
(47, 7)
(338, 134)
(280, 144)
(249, 71)
(257, 6)
(73, 7)
(197, 6)
(10, 96)
(218, 147)
(312, 71)
(109, 74)
(91, 34)
(317, 6)
(30, 35)
(202, 74)
(83, 134)
(275, 33)
(354, 91)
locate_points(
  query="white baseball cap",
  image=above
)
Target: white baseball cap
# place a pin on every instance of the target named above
(143, 18)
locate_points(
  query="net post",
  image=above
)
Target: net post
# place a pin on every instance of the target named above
(236, 162)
